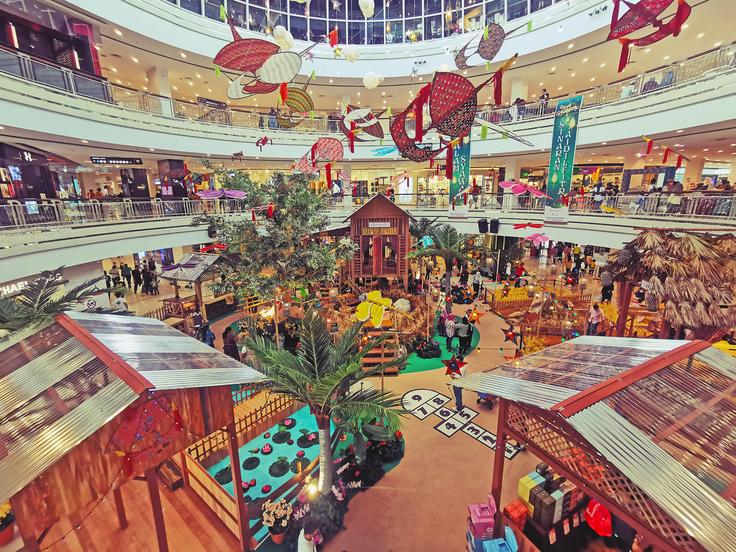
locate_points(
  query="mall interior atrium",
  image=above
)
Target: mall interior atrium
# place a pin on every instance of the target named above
(367, 275)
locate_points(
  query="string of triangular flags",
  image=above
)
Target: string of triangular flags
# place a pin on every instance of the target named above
(667, 152)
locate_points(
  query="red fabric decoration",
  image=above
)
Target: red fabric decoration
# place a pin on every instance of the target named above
(449, 158)
(522, 225)
(465, 198)
(498, 88)
(650, 145)
(328, 174)
(332, 37)
(284, 92)
(422, 99)
(269, 212)
(598, 518)
(623, 61)
(666, 155)
(679, 162)
(253, 214)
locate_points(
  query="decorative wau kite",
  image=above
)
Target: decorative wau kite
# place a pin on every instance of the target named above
(519, 188)
(328, 150)
(263, 67)
(357, 120)
(488, 47)
(640, 15)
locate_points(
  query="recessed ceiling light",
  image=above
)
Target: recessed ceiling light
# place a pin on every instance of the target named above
(666, 58)
(571, 46)
(559, 88)
(2, 128)
(118, 81)
(602, 65)
(701, 35)
(383, 93)
(733, 145)
(585, 60)
(182, 54)
(118, 32)
(190, 83)
(679, 131)
(85, 141)
(358, 93)
(592, 79)
(647, 50)
(604, 143)
(113, 69)
(135, 59)
(145, 88)
(209, 90)
(572, 74)
(330, 81)
(553, 68)
(706, 149)
(198, 75)
(720, 151)
(175, 87)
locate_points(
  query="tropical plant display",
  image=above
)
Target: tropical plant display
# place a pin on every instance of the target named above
(280, 251)
(322, 374)
(40, 300)
(450, 245)
(691, 274)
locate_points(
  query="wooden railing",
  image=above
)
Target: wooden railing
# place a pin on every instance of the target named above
(159, 313)
(245, 392)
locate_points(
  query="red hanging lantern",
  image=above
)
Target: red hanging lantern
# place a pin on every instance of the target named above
(650, 145)
(284, 92)
(253, 214)
(679, 162)
(269, 211)
(666, 155)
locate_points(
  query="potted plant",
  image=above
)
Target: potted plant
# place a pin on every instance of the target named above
(276, 516)
(7, 524)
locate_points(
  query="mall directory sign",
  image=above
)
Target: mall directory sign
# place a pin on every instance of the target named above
(562, 159)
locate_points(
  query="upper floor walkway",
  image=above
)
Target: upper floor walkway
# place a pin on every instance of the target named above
(58, 102)
(41, 235)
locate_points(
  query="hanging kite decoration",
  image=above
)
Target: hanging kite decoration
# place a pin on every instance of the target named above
(453, 101)
(522, 225)
(328, 150)
(640, 15)
(360, 120)
(488, 47)
(297, 106)
(262, 65)
(537, 239)
(519, 188)
(263, 141)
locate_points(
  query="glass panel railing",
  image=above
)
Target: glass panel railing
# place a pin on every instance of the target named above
(10, 63)
(50, 75)
(91, 88)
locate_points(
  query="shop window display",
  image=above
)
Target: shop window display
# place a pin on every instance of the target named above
(394, 32)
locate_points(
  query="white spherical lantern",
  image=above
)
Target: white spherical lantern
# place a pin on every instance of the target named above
(283, 37)
(350, 53)
(368, 7)
(372, 80)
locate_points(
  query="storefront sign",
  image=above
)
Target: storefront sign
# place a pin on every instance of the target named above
(13, 288)
(211, 103)
(379, 231)
(116, 160)
(460, 169)
(379, 224)
(562, 159)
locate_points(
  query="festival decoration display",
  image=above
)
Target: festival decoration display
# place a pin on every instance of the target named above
(537, 239)
(453, 366)
(498, 129)
(475, 315)
(350, 53)
(373, 307)
(262, 65)
(453, 101)
(214, 194)
(510, 334)
(145, 431)
(522, 225)
(640, 15)
(667, 151)
(372, 80)
(297, 106)
(324, 149)
(213, 247)
(238, 156)
(283, 37)
(359, 120)
(519, 188)
(488, 47)
(367, 8)
(263, 141)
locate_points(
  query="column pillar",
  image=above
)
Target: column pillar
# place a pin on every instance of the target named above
(512, 172)
(732, 176)
(160, 85)
(347, 192)
(693, 172)
(519, 89)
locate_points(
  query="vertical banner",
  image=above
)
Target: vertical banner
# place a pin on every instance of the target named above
(460, 172)
(562, 159)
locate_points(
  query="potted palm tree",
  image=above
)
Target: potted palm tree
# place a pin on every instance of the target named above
(322, 374)
(449, 244)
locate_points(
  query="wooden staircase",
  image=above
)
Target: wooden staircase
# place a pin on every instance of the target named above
(385, 352)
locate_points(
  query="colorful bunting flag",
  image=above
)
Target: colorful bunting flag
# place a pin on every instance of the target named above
(483, 132)
(217, 71)
(529, 26)
(223, 13)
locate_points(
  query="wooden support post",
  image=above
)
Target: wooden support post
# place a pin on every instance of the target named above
(30, 542)
(200, 299)
(158, 514)
(120, 507)
(499, 457)
(243, 521)
(624, 300)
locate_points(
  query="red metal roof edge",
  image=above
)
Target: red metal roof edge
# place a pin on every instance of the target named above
(375, 198)
(608, 387)
(131, 377)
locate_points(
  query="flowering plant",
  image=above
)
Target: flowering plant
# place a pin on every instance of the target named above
(6, 515)
(276, 515)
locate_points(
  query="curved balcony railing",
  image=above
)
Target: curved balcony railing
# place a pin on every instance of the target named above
(20, 65)
(50, 214)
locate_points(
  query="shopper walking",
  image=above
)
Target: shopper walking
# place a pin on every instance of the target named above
(230, 344)
(595, 317)
(449, 331)
(146, 276)
(137, 279)
(208, 337)
(152, 264)
(458, 391)
(462, 330)
(115, 275)
(477, 281)
(127, 274)
(120, 304)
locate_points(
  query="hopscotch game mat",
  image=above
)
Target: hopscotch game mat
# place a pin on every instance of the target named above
(425, 403)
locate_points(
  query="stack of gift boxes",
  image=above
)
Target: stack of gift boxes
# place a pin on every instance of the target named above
(480, 524)
(544, 496)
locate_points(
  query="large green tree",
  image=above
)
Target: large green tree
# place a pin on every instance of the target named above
(449, 244)
(323, 375)
(282, 251)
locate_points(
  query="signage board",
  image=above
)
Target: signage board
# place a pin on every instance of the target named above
(101, 160)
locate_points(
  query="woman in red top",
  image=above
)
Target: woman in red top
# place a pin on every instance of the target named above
(519, 271)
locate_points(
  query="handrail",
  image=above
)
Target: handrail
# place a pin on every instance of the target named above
(51, 214)
(20, 65)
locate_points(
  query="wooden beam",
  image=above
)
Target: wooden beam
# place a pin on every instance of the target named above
(120, 507)
(499, 456)
(158, 513)
(243, 520)
(30, 542)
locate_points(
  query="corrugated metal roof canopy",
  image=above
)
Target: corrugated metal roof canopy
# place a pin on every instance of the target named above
(191, 267)
(61, 384)
(662, 412)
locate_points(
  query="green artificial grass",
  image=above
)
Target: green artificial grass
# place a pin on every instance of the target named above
(416, 364)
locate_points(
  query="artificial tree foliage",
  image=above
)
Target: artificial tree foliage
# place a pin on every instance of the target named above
(323, 375)
(280, 252)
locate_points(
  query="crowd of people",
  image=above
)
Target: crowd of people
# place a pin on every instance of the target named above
(142, 276)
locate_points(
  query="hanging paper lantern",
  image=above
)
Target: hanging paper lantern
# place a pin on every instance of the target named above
(350, 53)
(367, 7)
(283, 37)
(372, 80)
